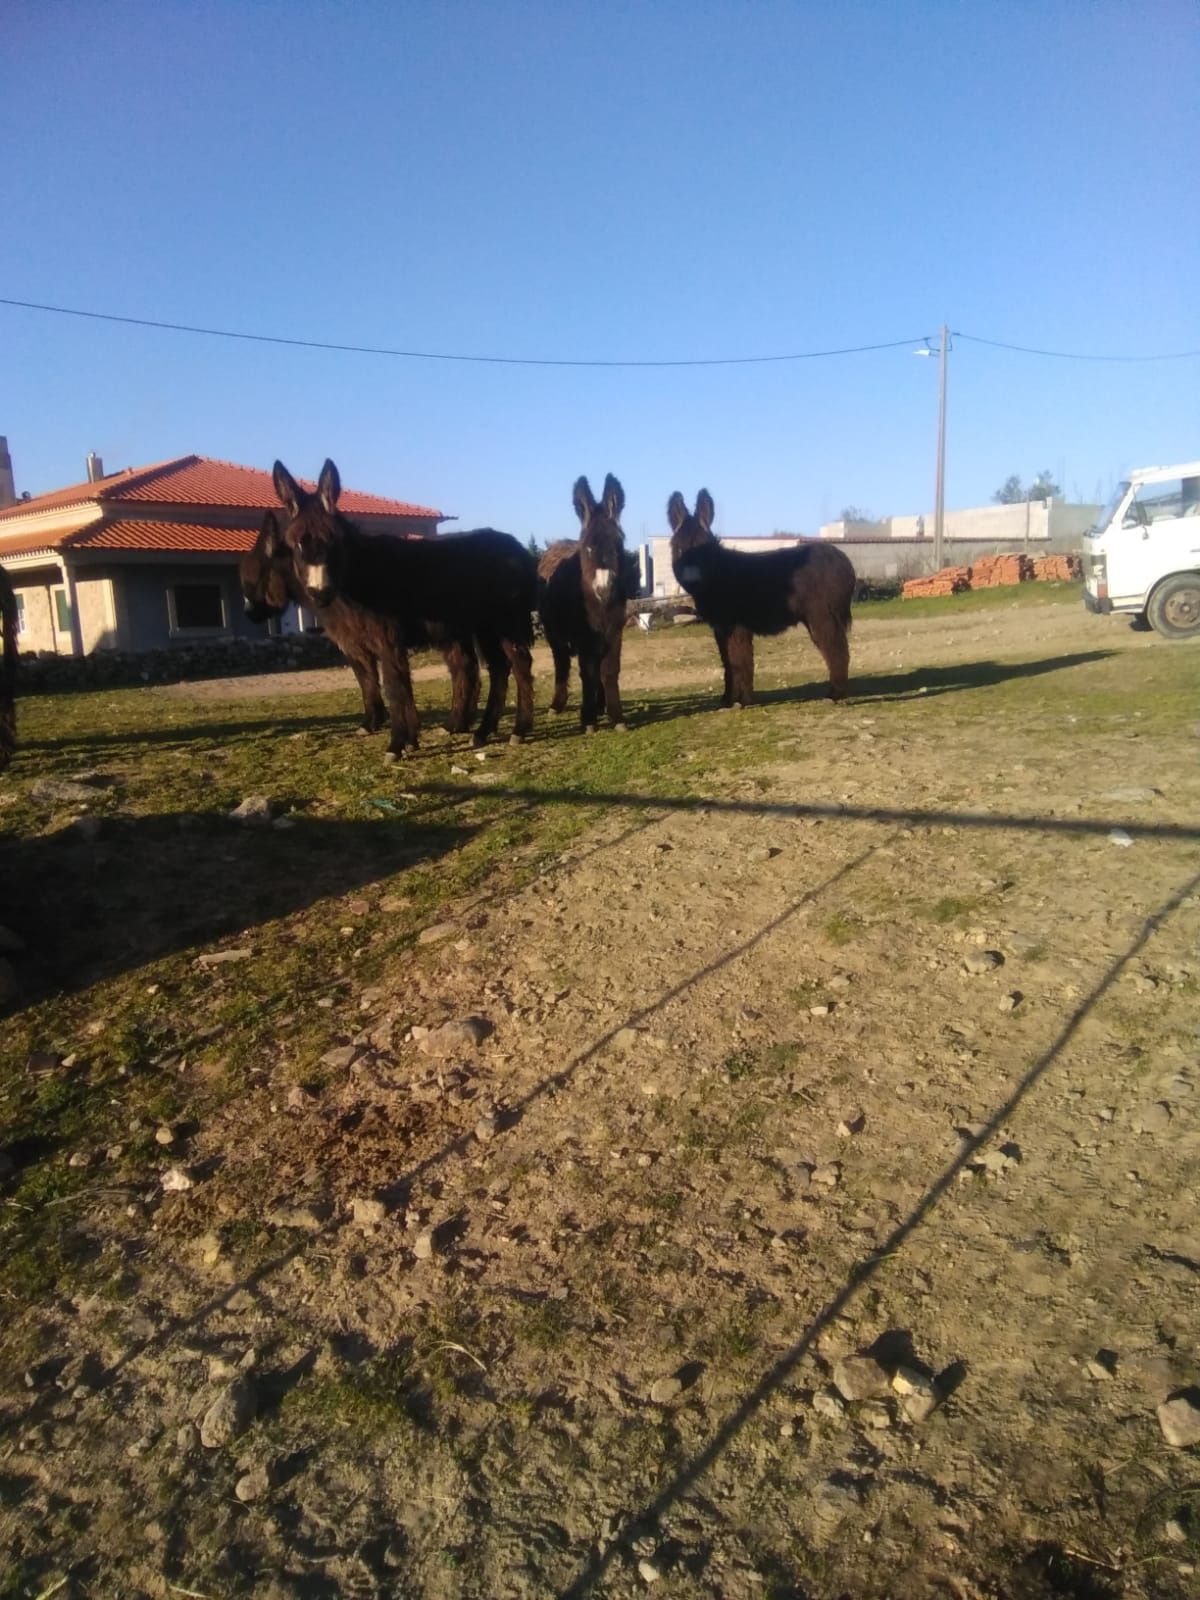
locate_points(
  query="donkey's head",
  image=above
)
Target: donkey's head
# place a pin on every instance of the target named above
(687, 532)
(601, 541)
(314, 530)
(265, 571)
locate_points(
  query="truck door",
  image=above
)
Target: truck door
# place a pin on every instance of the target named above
(1159, 534)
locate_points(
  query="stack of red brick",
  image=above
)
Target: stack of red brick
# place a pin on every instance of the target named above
(994, 572)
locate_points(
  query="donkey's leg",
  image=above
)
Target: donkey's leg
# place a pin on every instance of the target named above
(562, 675)
(721, 635)
(520, 657)
(397, 682)
(828, 632)
(741, 666)
(610, 677)
(471, 674)
(497, 665)
(366, 671)
(589, 682)
(459, 659)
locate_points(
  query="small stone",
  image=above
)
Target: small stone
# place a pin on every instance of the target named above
(254, 809)
(299, 1098)
(435, 932)
(919, 1398)
(860, 1377)
(1155, 1118)
(835, 1499)
(625, 1038)
(977, 962)
(828, 1403)
(1010, 1002)
(164, 1135)
(368, 1213)
(309, 1216)
(253, 1485)
(222, 958)
(1099, 1369)
(176, 1181)
(1132, 797)
(1118, 836)
(664, 1390)
(82, 1158)
(851, 1125)
(340, 1057)
(464, 1033)
(876, 1416)
(485, 1128)
(1179, 1419)
(424, 1245)
(648, 1572)
(1174, 1532)
(822, 1009)
(828, 1175)
(230, 1414)
(187, 1438)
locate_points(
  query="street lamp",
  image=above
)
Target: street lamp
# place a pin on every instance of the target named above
(939, 510)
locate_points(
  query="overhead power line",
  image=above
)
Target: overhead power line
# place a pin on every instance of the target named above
(546, 361)
(1074, 355)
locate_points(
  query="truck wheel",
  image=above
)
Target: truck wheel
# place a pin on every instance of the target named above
(1174, 608)
(1139, 624)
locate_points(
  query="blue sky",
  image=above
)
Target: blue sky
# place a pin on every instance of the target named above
(616, 180)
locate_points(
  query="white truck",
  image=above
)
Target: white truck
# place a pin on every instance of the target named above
(1143, 554)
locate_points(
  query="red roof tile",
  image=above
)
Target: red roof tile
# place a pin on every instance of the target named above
(166, 536)
(199, 481)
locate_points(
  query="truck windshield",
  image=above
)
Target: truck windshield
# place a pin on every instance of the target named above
(1106, 516)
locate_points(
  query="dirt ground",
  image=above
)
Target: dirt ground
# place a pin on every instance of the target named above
(881, 1044)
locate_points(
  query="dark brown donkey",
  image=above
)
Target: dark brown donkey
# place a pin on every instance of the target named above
(582, 594)
(739, 594)
(480, 585)
(8, 670)
(370, 644)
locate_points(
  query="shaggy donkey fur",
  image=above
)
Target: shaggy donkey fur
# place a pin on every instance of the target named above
(8, 671)
(739, 594)
(480, 585)
(582, 593)
(370, 643)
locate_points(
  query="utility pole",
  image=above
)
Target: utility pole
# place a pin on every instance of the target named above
(939, 510)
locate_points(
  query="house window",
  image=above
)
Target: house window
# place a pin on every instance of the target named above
(62, 611)
(20, 600)
(196, 608)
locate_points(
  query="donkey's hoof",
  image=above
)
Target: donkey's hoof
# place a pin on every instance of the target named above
(590, 728)
(516, 738)
(620, 727)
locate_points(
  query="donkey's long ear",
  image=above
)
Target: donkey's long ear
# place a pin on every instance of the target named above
(584, 500)
(286, 488)
(270, 539)
(329, 486)
(613, 499)
(676, 511)
(705, 510)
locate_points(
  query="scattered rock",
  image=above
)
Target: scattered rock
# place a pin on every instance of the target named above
(176, 1181)
(821, 1009)
(860, 1377)
(664, 1390)
(918, 1393)
(874, 1415)
(86, 1158)
(1118, 836)
(1155, 1118)
(299, 1098)
(254, 809)
(367, 1213)
(454, 1037)
(647, 1570)
(834, 1499)
(308, 1215)
(486, 1127)
(1179, 1419)
(62, 791)
(187, 1438)
(977, 962)
(164, 1135)
(828, 1175)
(1132, 797)
(425, 1244)
(854, 1123)
(1174, 1532)
(1010, 1002)
(253, 1485)
(435, 932)
(222, 958)
(1102, 1367)
(998, 1160)
(828, 1403)
(230, 1414)
(340, 1057)
(625, 1038)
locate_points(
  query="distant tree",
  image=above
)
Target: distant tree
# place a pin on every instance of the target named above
(856, 514)
(1012, 492)
(1043, 487)
(535, 549)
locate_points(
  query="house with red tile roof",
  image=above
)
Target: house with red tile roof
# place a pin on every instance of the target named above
(147, 558)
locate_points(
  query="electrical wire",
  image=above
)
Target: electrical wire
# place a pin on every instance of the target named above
(545, 361)
(435, 355)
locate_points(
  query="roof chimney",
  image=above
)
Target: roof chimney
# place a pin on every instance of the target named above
(95, 467)
(8, 492)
